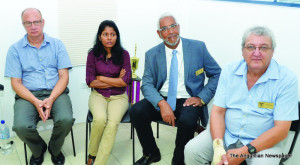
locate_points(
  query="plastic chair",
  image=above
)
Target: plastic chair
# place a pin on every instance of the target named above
(294, 127)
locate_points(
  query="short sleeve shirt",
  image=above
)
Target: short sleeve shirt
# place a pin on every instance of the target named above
(249, 113)
(37, 67)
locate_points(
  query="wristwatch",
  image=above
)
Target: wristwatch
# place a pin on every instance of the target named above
(251, 149)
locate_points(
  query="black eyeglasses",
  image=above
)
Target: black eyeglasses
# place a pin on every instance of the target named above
(36, 23)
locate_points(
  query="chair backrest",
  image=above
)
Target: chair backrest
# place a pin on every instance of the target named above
(296, 124)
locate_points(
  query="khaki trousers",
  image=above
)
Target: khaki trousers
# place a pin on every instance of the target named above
(107, 114)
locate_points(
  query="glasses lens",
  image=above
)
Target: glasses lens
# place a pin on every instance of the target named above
(263, 48)
(37, 22)
(250, 48)
(27, 23)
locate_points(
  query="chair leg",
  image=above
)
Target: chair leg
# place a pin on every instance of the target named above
(157, 130)
(74, 152)
(131, 132)
(90, 130)
(25, 154)
(133, 147)
(86, 141)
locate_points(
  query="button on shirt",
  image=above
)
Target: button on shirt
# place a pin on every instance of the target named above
(181, 90)
(38, 67)
(244, 119)
(98, 66)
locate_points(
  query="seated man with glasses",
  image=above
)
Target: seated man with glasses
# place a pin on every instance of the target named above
(173, 87)
(255, 103)
(38, 66)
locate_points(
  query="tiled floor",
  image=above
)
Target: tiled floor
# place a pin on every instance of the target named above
(121, 153)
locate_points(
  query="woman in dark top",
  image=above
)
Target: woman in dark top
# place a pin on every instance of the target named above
(108, 72)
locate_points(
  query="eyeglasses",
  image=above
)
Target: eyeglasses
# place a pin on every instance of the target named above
(166, 28)
(252, 48)
(36, 23)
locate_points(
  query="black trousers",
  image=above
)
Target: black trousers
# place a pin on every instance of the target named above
(143, 113)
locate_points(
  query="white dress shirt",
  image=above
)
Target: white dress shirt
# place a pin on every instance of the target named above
(181, 90)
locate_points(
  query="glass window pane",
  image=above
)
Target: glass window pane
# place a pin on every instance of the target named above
(289, 1)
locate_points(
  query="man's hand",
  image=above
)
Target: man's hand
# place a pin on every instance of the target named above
(122, 73)
(233, 157)
(48, 102)
(193, 101)
(39, 105)
(167, 113)
(237, 159)
(219, 152)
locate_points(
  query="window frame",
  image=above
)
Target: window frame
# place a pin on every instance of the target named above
(274, 3)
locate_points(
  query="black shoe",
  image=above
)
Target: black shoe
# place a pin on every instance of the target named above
(91, 160)
(148, 159)
(57, 160)
(39, 160)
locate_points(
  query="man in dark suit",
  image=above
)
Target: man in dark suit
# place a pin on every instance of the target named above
(173, 87)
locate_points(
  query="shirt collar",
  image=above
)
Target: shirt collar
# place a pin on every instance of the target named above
(271, 73)
(25, 41)
(178, 49)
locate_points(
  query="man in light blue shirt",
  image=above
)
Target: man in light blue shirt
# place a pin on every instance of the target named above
(255, 103)
(38, 67)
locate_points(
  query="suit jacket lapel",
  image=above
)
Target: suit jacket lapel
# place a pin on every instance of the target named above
(162, 63)
(186, 57)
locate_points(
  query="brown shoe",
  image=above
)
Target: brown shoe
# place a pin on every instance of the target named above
(91, 160)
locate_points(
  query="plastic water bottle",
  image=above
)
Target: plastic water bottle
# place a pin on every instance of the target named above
(6, 147)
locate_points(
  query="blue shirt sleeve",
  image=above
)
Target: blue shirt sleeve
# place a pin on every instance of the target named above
(286, 106)
(63, 57)
(220, 97)
(13, 66)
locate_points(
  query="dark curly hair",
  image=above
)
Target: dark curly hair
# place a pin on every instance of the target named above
(116, 50)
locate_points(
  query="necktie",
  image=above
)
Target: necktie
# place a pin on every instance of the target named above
(173, 81)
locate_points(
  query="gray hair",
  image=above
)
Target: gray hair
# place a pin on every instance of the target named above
(30, 9)
(260, 31)
(164, 16)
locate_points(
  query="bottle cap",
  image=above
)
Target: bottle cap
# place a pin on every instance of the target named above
(2, 122)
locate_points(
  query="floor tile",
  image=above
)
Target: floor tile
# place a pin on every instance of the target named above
(122, 149)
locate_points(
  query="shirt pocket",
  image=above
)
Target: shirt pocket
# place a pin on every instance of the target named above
(29, 63)
(52, 62)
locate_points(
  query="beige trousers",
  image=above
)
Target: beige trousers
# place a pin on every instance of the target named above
(199, 151)
(107, 114)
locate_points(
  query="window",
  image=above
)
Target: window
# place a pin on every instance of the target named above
(78, 23)
(290, 3)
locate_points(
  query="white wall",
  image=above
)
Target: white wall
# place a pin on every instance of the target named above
(219, 24)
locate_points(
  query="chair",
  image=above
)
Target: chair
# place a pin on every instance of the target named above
(74, 152)
(294, 127)
(125, 119)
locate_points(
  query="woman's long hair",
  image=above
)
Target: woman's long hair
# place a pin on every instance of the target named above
(116, 50)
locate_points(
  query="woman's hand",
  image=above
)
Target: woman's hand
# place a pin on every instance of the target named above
(122, 73)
